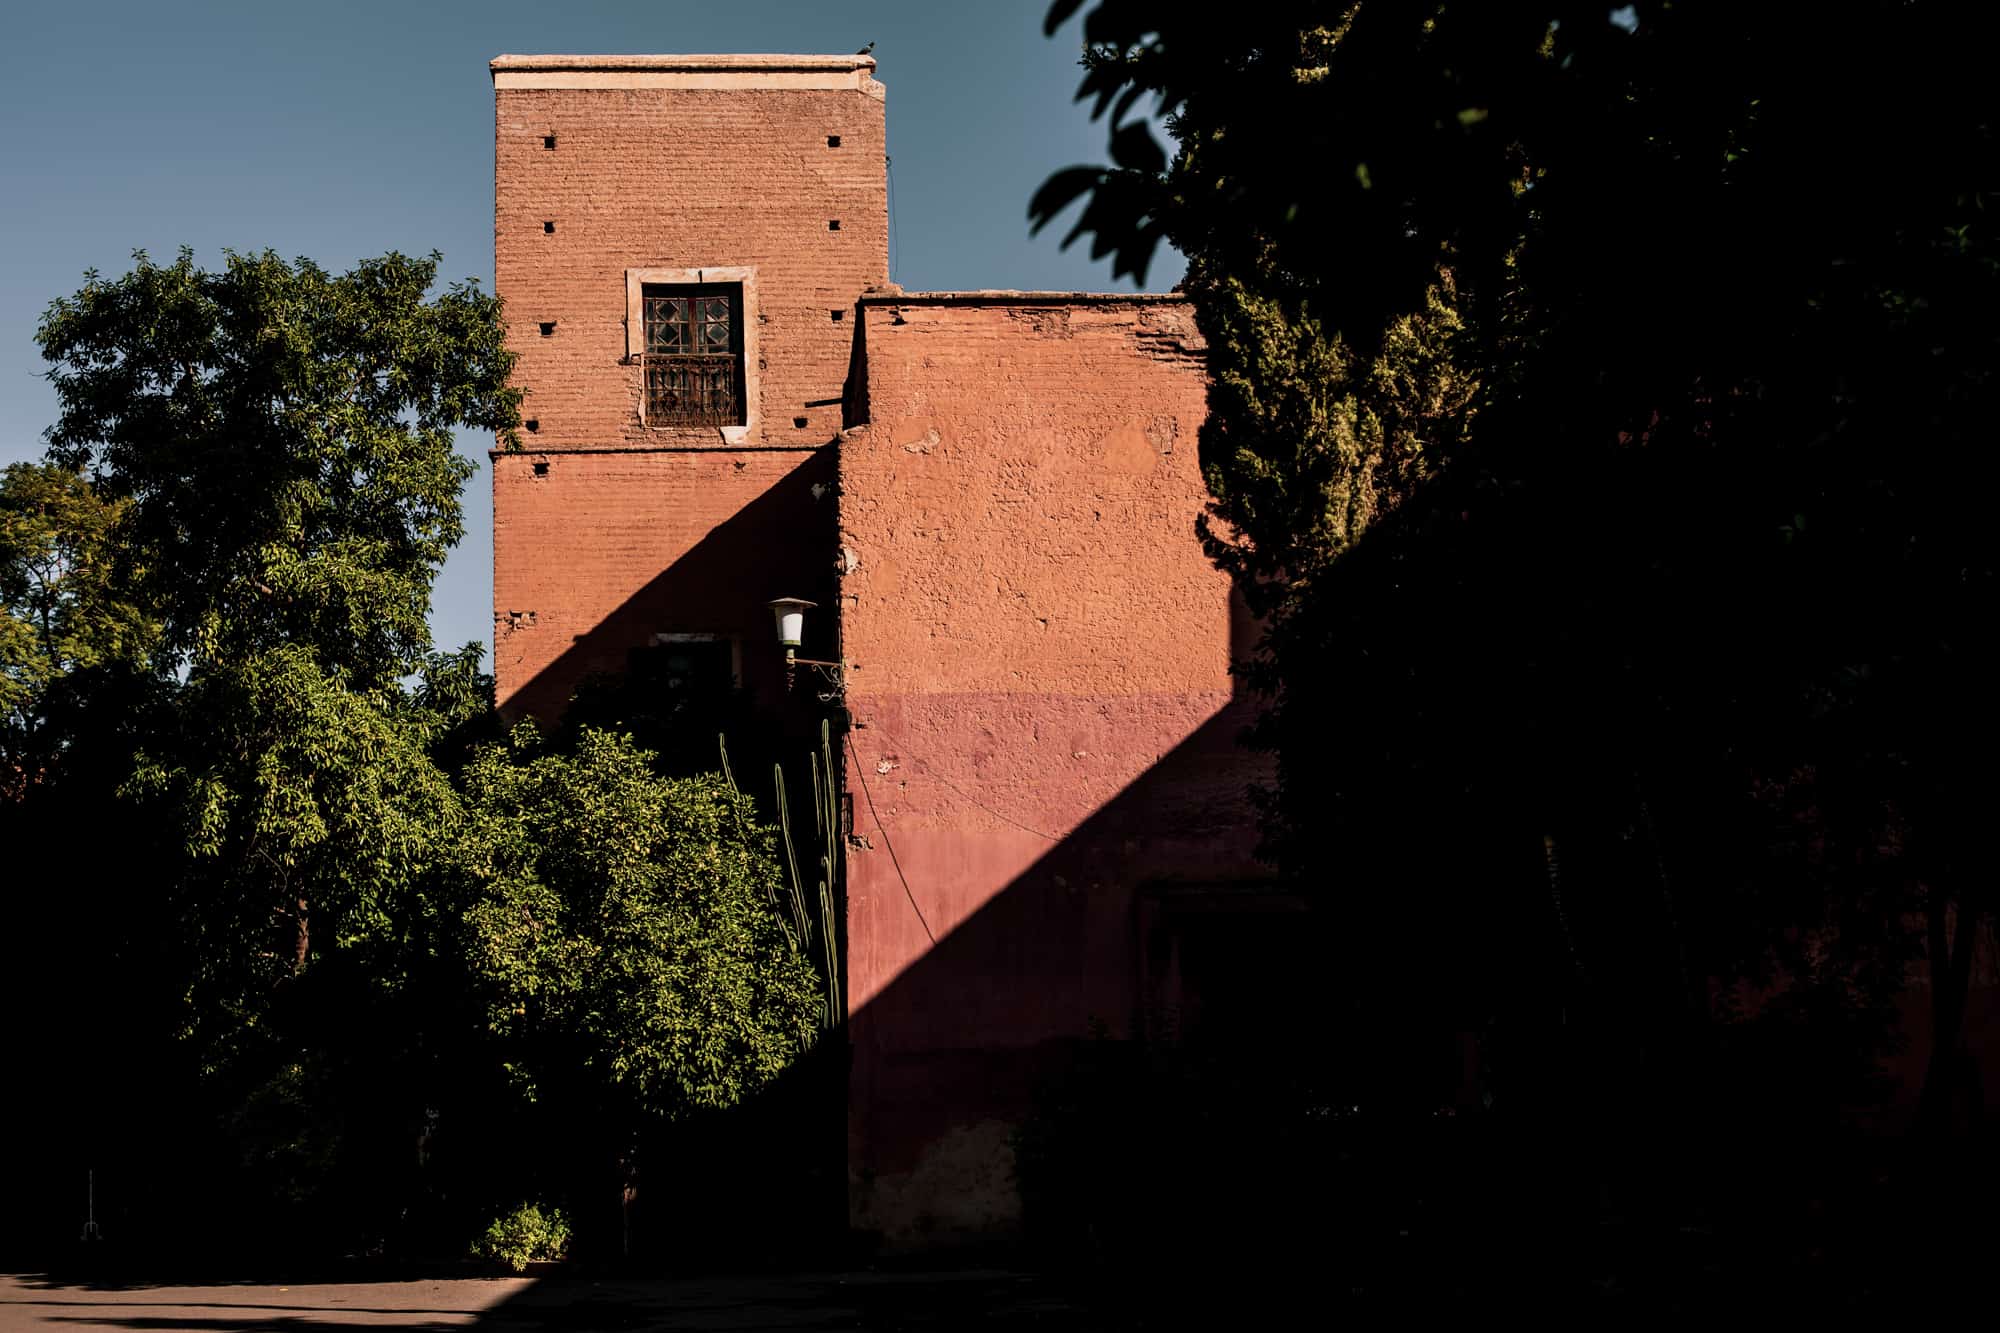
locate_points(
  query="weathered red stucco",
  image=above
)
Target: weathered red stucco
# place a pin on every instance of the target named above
(1043, 714)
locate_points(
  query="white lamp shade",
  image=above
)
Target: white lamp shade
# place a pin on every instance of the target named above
(790, 613)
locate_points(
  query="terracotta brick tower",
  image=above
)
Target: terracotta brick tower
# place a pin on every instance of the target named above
(1049, 832)
(680, 242)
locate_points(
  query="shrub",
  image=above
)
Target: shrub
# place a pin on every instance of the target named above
(526, 1235)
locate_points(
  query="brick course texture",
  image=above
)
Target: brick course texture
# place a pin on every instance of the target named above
(682, 178)
(594, 553)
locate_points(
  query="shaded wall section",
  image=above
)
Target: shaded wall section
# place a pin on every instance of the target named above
(594, 554)
(1043, 716)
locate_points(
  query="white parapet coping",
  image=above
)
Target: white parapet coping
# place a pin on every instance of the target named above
(719, 72)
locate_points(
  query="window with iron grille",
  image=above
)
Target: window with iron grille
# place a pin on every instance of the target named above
(693, 355)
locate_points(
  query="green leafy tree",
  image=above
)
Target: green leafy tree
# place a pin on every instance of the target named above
(625, 931)
(279, 442)
(259, 462)
(62, 612)
(336, 914)
(284, 438)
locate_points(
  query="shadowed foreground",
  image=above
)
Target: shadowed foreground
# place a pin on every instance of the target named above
(824, 1301)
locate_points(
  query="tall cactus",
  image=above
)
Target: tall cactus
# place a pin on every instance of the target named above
(729, 776)
(821, 944)
(826, 814)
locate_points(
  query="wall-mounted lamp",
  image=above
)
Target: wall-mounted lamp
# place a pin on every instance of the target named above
(790, 613)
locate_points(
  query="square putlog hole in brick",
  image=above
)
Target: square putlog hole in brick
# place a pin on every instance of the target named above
(800, 423)
(833, 224)
(836, 315)
(541, 469)
(548, 328)
(549, 142)
(548, 229)
(532, 425)
(833, 141)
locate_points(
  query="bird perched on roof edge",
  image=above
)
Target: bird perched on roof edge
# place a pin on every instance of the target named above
(866, 50)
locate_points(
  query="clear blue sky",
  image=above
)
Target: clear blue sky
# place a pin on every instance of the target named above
(345, 129)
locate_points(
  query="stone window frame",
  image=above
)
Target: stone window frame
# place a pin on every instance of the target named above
(743, 276)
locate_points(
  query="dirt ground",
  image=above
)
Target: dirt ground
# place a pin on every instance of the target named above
(974, 1299)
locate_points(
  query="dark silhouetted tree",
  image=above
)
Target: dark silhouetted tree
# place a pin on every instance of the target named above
(1601, 422)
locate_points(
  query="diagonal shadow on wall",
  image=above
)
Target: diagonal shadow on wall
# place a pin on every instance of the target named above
(761, 1184)
(1145, 917)
(778, 544)
(1150, 918)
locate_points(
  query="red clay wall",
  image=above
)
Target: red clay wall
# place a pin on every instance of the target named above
(600, 551)
(1042, 712)
(677, 163)
(663, 176)
(1044, 717)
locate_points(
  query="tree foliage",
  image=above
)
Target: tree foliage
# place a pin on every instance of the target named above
(335, 910)
(276, 444)
(1600, 417)
(283, 436)
(1601, 396)
(62, 611)
(623, 928)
